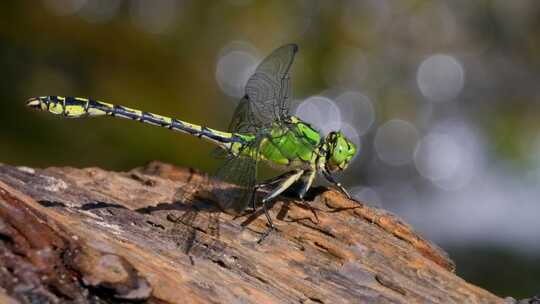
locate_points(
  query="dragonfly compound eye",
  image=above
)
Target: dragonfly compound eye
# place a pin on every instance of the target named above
(342, 150)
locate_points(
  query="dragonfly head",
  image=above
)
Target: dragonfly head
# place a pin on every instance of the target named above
(340, 151)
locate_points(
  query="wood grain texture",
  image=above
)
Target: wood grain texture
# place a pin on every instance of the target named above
(155, 234)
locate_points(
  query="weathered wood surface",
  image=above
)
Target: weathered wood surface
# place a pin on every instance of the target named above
(89, 235)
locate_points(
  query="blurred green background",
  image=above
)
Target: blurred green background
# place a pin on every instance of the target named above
(442, 95)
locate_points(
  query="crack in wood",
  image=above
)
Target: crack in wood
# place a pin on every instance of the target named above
(390, 284)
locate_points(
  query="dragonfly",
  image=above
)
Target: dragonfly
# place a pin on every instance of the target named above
(262, 130)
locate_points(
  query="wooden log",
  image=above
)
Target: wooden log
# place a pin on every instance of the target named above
(155, 234)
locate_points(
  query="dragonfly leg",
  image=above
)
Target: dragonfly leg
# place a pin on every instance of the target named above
(307, 180)
(275, 180)
(286, 183)
(267, 183)
(331, 179)
(253, 197)
(270, 223)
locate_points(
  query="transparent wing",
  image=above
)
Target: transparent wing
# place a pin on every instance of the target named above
(266, 101)
(268, 92)
(241, 174)
(243, 120)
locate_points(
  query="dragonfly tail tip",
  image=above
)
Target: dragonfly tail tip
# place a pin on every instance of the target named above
(33, 102)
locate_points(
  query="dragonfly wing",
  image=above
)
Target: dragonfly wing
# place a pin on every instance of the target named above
(243, 120)
(241, 173)
(266, 102)
(268, 89)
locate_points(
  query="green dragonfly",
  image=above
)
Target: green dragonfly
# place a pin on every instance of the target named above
(261, 129)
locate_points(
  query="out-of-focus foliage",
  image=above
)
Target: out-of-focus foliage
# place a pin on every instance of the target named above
(442, 96)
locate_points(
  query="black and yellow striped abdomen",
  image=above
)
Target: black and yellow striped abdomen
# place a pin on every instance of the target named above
(292, 145)
(76, 107)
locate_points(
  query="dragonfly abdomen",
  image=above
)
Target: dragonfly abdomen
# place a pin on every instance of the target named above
(77, 107)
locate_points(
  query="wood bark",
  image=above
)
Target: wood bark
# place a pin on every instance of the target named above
(155, 234)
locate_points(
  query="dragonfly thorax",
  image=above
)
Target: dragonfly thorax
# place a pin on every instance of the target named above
(340, 151)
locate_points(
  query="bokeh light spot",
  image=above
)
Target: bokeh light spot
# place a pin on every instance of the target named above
(356, 109)
(440, 78)
(437, 156)
(450, 155)
(395, 142)
(321, 112)
(233, 70)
